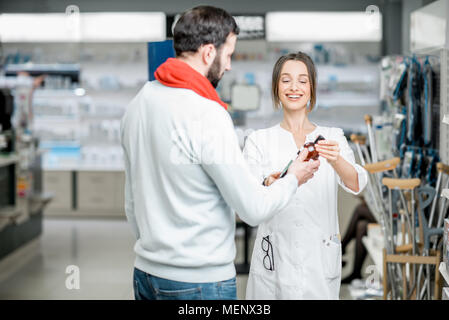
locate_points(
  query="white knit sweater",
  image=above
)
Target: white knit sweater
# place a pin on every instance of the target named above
(185, 178)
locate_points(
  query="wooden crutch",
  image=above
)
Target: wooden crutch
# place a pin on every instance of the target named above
(403, 184)
(442, 169)
(376, 194)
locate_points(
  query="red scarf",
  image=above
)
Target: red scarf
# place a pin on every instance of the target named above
(178, 74)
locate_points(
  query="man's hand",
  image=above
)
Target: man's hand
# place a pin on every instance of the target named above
(271, 178)
(303, 170)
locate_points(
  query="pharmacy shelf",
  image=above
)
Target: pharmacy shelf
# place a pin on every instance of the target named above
(445, 193)
(444, 271)
(7, 160)
(84, 168)
(347, 100)
(446, 119)
(59, 93)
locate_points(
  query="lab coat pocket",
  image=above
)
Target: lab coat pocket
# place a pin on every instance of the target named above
(262, 261)
(331, 253)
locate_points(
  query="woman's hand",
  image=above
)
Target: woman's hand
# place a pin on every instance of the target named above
(329, 150)
(271, 178)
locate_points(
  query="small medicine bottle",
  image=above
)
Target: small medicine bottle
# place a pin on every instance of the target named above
(310, 146)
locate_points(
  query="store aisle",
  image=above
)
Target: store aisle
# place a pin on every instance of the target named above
(102, 249)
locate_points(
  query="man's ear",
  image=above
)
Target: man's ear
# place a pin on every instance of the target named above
(208, 53)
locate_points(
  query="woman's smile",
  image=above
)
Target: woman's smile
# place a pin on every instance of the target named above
(294, 97)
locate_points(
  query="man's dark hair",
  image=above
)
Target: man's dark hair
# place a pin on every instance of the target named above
(202, 25)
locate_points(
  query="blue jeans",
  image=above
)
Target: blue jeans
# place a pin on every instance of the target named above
(149, 287)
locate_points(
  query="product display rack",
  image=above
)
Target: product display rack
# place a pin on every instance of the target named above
(397, 104)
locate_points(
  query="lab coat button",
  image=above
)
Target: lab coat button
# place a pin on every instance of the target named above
(298, 224)
(297, 244)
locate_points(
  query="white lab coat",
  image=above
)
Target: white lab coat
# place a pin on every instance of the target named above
(307, 258)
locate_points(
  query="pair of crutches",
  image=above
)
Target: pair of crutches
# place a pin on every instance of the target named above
(386, 216)
(406, 214)
(430, 229)
(428, 258)
(388, 220)
(376, 202)
(373, 196)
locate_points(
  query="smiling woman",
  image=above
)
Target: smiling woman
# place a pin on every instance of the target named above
(303, 260)
(283, 79)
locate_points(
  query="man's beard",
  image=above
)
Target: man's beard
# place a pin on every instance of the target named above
(213, 75)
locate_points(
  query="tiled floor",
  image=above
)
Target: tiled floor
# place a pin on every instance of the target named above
(103, 251)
